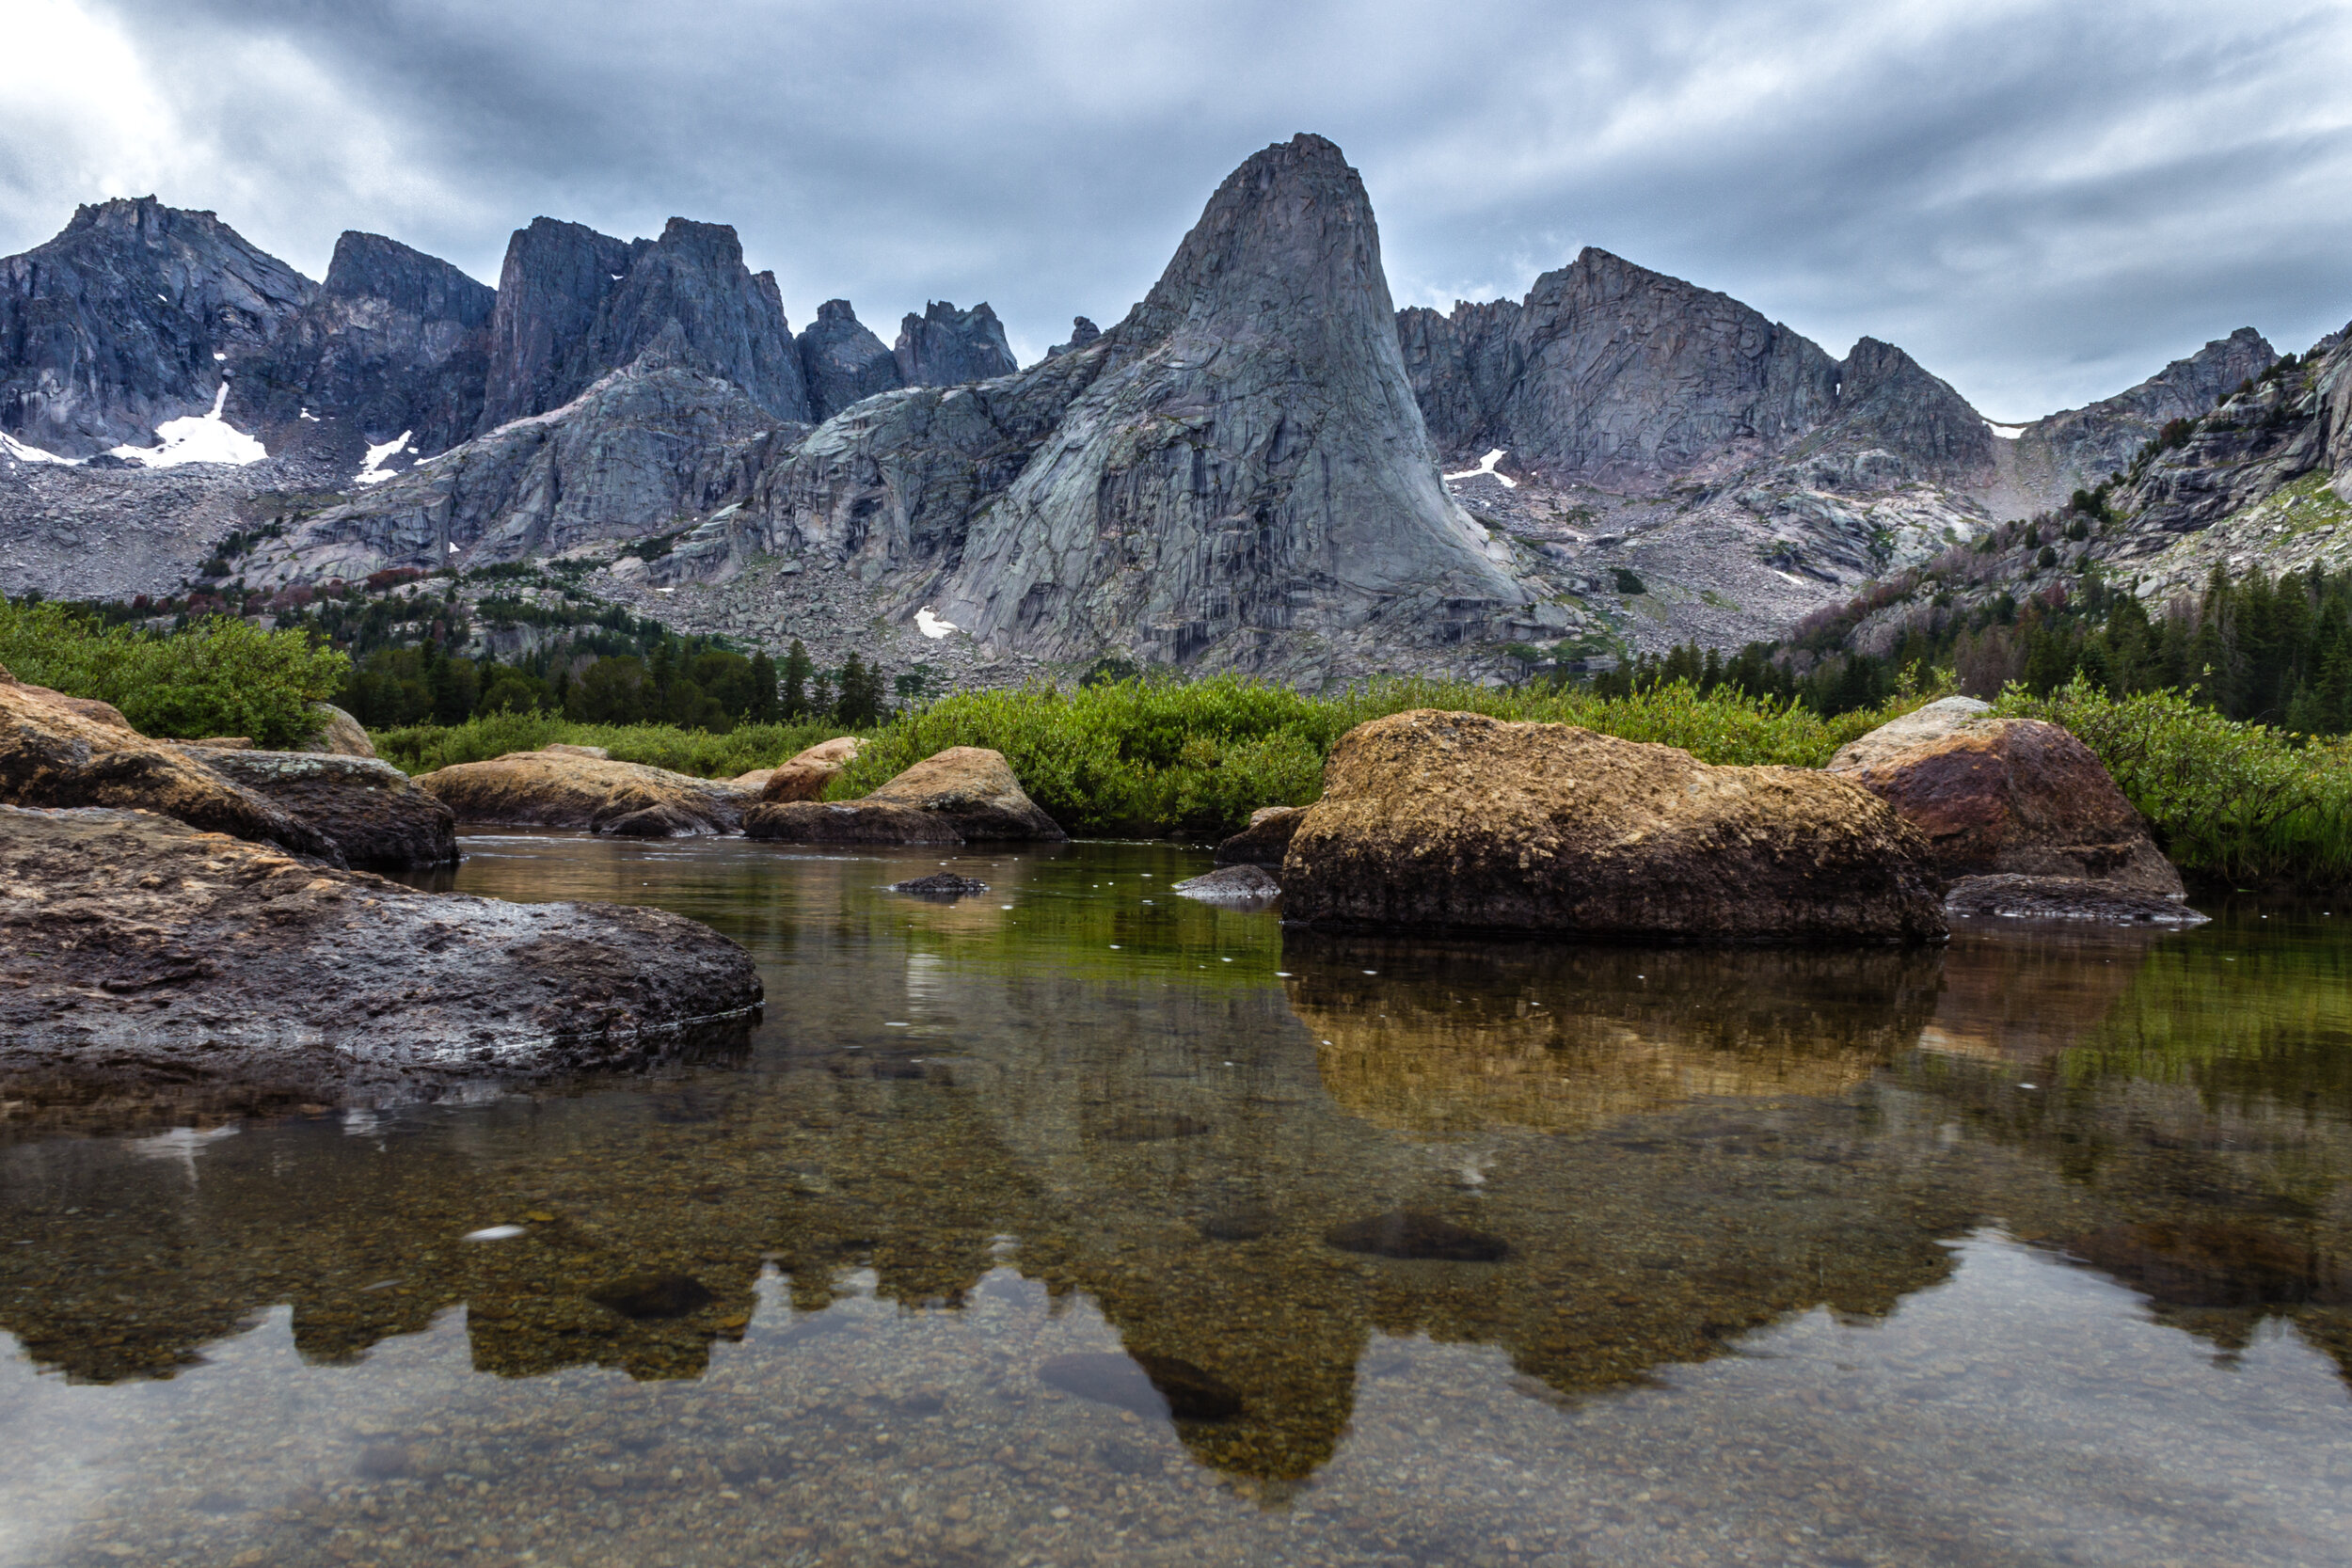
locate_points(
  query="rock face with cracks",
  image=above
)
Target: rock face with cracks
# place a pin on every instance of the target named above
(627, 800)
(375, 812)
(138, 950)
(1457, 820)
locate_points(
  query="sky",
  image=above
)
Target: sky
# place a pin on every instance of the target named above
(2043, 201)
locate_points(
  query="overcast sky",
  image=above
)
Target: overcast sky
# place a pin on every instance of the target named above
(2044, 200)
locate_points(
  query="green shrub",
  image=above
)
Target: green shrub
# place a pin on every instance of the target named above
(221, 676)
(422, 748)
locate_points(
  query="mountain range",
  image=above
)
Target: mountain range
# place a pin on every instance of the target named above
(1249, 470)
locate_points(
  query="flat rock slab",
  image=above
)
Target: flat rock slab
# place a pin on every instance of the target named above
(1455, 820)
(137, 950)
(562, 788)
(2012, 898)
(375, 812)
(942, 884)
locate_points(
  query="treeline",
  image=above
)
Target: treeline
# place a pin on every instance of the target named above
(684, 682)
(2270, 651)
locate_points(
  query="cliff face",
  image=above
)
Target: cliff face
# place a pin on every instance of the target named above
(126, 319)
(2076, 447)
(573, 304)
(842, 362)
(946, 347)
(395, 341)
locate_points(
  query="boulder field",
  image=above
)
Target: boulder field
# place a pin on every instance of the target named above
(1455, 820)
(961, 794)
(135, 950)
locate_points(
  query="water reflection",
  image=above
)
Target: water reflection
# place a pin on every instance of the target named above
(1259, 1162)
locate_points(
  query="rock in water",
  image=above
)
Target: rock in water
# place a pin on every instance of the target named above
(2012, 898)
(552, 789)
(51, 756)
(1246, 464)
(651, 1297)
(1455, 819)
(2008, 795)
(377, 817)
(974, 790)
(846, 822)
(941, 884)
(1415, 1233)
(1237, 882)
(1266, 840)
(805, 775)
(138, 950)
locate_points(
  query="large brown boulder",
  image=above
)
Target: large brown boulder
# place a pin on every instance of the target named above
(375, 812)
(963, 793)
(134, 949)
(339, 734)
(1458, 820)
(87, 707)
(1265, 841)
(805, 775)
(564, 789)
(2013, 796)
(53, 755)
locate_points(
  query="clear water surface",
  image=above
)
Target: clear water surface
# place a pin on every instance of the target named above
(1077, 1222)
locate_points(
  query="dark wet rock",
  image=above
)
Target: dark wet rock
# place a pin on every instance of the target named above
(123, 321)
(841, 362)
(1163, 1386)
(134, 949)
(1235, 883)
(557, 789)
(1458, 820)
(374, 815)
(1237, 1223)
(52, 755)
(1147, 1127)
(846, 822)
(972, 789)
(942, 884)
(648, 1297)
(948, 347)
(2008, 795)
(1416, 1233)
(1266, 840)
(2015, 898)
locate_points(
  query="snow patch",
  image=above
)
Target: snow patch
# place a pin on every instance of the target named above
(308, 415)
(1487, 467)
(11, 447)
(373, 471)
(197, 439)
(932, 626)
(2006, 432)
(218, 356)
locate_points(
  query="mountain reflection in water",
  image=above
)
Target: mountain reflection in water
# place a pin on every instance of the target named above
(1257, 1155)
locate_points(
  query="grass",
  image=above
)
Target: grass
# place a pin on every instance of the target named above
(422, 748)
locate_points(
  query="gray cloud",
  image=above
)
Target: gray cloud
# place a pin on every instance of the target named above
(2043, 201)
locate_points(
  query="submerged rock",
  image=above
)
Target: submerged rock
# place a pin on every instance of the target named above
(2008, 795)
(1416, 1233)
(2015, 898)
(375, 815)
(566, 788)
(1458, 820)
(1163, 1385)
(1266, 840)
(1231, 883)
(846, 822)
(137, 950)
(648, 1297)
(53, 755)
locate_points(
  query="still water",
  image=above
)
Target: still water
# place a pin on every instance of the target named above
(1076, 1222)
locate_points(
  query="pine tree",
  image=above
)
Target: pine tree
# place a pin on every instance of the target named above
(762, 709)
(797, 669)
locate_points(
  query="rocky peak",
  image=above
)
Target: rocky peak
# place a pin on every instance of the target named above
(1248, 470)
(841, 362)
(2076, 447)
(555, 279)
(1895, 422)
(1082, 332)
(370, 266)
(125, 319)
(948, 347)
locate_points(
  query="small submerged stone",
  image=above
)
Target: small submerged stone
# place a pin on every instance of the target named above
(1146, 1383)
(651, 1296)
(1416, 1233)
(1237, 1223)
(1231, 881)
(1156, 1127)
(943, 884)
